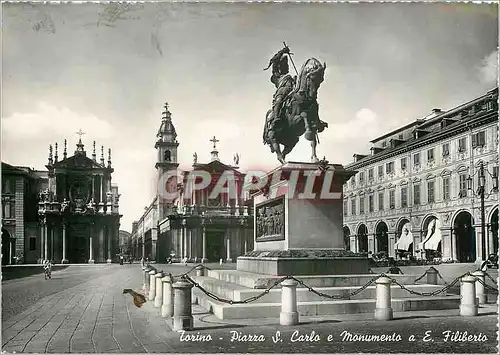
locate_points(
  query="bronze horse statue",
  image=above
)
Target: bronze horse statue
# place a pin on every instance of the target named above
(299, 114)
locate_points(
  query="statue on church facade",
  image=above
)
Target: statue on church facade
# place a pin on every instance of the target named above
(294, 109)
(195, 158)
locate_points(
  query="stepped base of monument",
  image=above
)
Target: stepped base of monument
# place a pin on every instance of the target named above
(303, 262)
(238, 285)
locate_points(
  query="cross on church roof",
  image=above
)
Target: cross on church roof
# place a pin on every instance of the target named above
(80, 133)
(214, 141)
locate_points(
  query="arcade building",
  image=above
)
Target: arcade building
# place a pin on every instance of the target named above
(68, 214)
(429, 189)
(193, 226)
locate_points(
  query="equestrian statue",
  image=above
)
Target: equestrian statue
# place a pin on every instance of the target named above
(294, 109)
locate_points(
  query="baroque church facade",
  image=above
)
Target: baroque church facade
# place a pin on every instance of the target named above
(194, 226)
(68, 213)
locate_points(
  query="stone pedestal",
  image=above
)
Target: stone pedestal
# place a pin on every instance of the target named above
(298, 223)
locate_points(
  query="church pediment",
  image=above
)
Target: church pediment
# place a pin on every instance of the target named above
(216, 167)
(79, 161)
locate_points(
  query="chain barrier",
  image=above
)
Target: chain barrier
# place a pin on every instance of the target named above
(486, 286)
(186, 277)
(193, 268)
(231, 302)
(491, 278)
(441, 277)
(421, 277)
(337, 297)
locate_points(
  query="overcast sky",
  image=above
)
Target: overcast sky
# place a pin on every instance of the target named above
(108, 70)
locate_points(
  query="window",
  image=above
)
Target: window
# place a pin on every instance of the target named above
(8, 207)
(32, 243)
(361, 204)
(403, 163)
(384, 144)
(353, 206)
(353, 181)
(430, 192)
(446, 149)
(430, 155)
(389, 167)
(392, 199)
(416, 194)
(380, 171)
(380, 201)
(168, 155)
(345, 207)
(404, 197)
(370, 203)
(7, 186)
(361, 177)
(462, 185)
(370, 174)
(416, 159)
(446, 188)
(462, 144)
(400, 137)
(479, 139)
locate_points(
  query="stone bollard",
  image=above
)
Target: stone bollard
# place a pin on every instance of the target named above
(152, 285)
(383, 310)
(167, 308)
(480, 295)
(289, 314)
(159, 289)
(468, 303)
(183, 316)
(432, 276)
(146, 280)
(200, 270)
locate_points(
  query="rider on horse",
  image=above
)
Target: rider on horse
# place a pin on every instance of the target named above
(284, 83)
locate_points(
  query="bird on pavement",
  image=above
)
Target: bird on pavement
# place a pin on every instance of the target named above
(139, 299)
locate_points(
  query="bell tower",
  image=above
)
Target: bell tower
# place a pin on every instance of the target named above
(166, 146)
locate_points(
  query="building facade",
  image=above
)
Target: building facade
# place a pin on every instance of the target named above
(68, 214)
(20, 187)
(430, 188)
(194, 225)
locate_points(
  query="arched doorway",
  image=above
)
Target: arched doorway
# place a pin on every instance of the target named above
(494, 231)
(382, 238)
(6, 251)
(347, 238)
(465, 237)
(405, 225)
(363, 238)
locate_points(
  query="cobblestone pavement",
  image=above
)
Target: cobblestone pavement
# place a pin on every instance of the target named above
(82, 309)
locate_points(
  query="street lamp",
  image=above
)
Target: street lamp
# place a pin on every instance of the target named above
(481, 192)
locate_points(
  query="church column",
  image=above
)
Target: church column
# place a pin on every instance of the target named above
(228, 247)
(52, 249)
(42, 229)
(64, 260)
(489, 234)
(109, 234)
(100, 256)
(245, 235)
(91, 247)
(184, 241)
(204, 244)
(45, 241)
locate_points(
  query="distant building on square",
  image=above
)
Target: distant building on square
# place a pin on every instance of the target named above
(68, 213)
(192, 226)
(416, 193)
